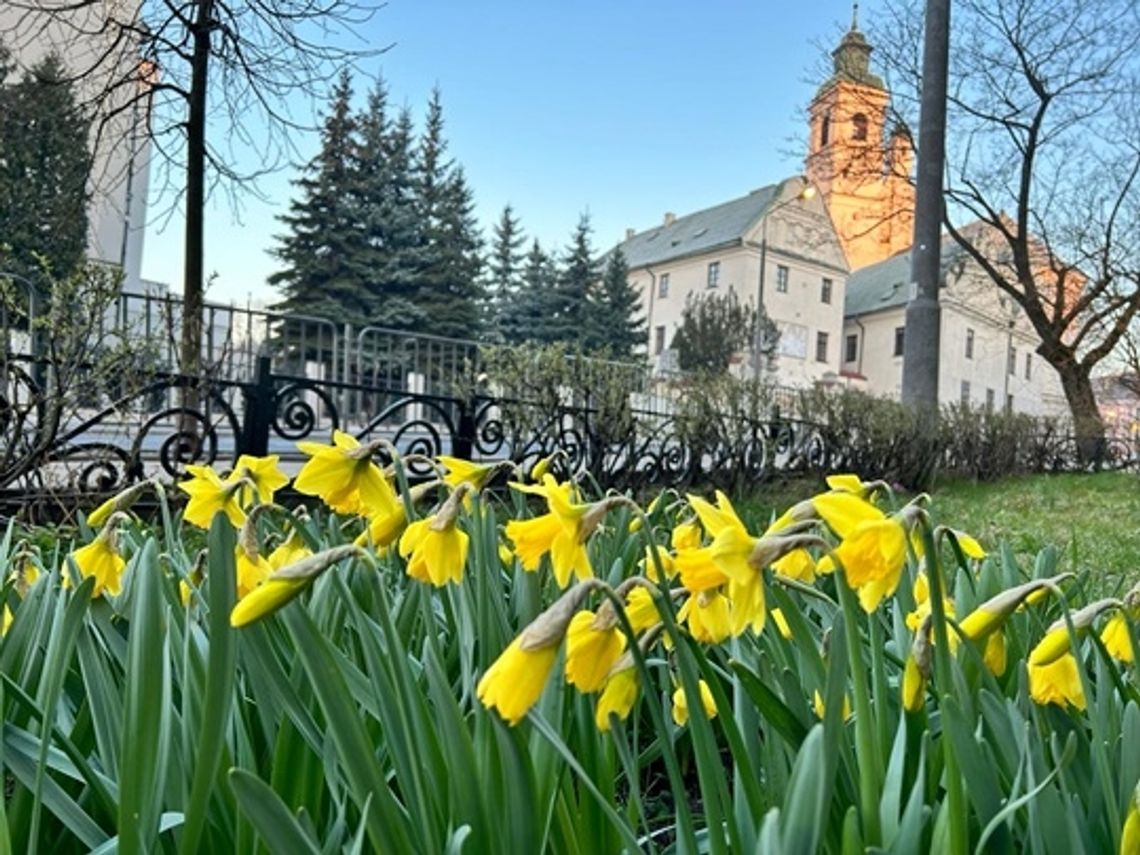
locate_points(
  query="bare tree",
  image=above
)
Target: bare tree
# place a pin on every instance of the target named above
(1043, 155)
(217, 80)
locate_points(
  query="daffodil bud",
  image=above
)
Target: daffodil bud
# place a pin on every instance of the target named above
(119, 502)
(285, 584)
(1055, 643)
(770, 549)
(549, 628)
(989, 615)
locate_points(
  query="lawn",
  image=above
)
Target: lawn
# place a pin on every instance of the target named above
(1093, 519)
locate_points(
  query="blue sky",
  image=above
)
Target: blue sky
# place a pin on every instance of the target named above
(623, 109)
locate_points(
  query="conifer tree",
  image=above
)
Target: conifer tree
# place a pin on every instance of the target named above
(385, 198)
(504, 280)
(448, 292)
(322, 250)
(620, 327)
(569, 305)
(44, 166)
(528, 314)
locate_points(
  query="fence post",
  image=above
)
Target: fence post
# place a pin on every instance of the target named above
(258, 410)
(463, 443)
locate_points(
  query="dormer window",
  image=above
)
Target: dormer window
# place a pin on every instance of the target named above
(859, 127)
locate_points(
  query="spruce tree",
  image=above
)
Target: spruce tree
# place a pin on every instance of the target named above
(385, 200)
(620, 327)
(504, 279)
(44, 167)
(322, 250)
(570, 306)
(528, 314)
(448, 291)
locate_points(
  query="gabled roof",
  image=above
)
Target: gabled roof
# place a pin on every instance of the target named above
(886, 284)
(720, 225)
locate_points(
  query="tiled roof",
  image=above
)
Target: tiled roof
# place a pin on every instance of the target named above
(693, 233)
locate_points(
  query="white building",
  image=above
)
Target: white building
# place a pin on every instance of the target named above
(720, 249)
(121, 157)
(987, 346)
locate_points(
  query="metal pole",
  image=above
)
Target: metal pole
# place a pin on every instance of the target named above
(923, 321)
(758, 344)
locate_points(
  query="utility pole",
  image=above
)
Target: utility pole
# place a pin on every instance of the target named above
(923, 321)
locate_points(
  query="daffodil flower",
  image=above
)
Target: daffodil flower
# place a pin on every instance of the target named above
(1058, 682)
(593, 644)
(436, 548)
(263, 478)
(681, 703)
(101, 560)
(1117, 639)
(619, 694)
(286, 583)
(344, 476)
(210, 495)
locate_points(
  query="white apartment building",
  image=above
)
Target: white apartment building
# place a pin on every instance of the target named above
(987, 348)
(720, 249)
(121, 158)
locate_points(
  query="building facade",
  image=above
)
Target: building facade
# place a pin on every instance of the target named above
(987, 348)
(120, 147)
(782, 229)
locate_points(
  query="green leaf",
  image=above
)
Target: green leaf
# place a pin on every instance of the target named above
(270, 816)
(805, 806)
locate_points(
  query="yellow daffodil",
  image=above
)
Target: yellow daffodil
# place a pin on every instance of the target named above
(384, 528)
(6, 621)
(821, 708)
(1130, 834)
(681, 703)
(436, 548)
(915, 619)
(1057, 639)
(542, 467)
(514, 682)
(26, 576)
(593, 644)
(749, 606)
(797, 564)
(649, 565)
(461, 471)
(506, 557)
(1057, 683)
(101, 560)
(990, 615)
(563, 532)
(252, 570)
(618, 695)
(844, 512)
(873, 555)
(641, 609)
(781, 622)
(286, 583)
(209, 495)
(913, 686)
(845, 484)
(120, 502)
(994, 655)
(264, 477)
(1117, 639)
(708, 616)
(344, 476)
(290, 551)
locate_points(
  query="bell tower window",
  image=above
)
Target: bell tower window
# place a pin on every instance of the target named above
(825, 130)
(859, 127)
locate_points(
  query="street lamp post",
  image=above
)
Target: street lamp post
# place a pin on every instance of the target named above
(758, 332)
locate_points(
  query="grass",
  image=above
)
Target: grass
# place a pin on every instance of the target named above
(1092, 519)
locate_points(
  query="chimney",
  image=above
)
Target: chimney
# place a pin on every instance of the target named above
(670, 218)
(629, 233)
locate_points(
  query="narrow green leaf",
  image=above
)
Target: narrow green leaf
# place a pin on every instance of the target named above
(270, 816)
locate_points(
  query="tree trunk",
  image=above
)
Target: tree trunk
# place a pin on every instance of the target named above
(1087, 423)
(193, 279)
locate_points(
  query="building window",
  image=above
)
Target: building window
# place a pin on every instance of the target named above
(663, 287)
(658, 340)
(782, 278)
(825, 291)
(714, 273)
(969, 344)
(821, 347)
(1008, 404)
(965, 394)
(990, 400)
(1011, 362)
(852, 348)
(1028, 366)
(859, 127)
(825, 130)
(900, 339)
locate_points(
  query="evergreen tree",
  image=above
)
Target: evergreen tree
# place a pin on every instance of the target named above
(570, 308)
(449, 290)
(620, 327)
(385, 199)
(44, 166)
(717, 328)
(528, 314)
(504, 281)
(323, 250)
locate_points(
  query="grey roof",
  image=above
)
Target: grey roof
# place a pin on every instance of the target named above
(720, 225)
(885, 284)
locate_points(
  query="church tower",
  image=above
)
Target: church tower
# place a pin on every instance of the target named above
(862, 174)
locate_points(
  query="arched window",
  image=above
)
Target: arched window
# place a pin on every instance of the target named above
(825, 130)
(859, 127)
